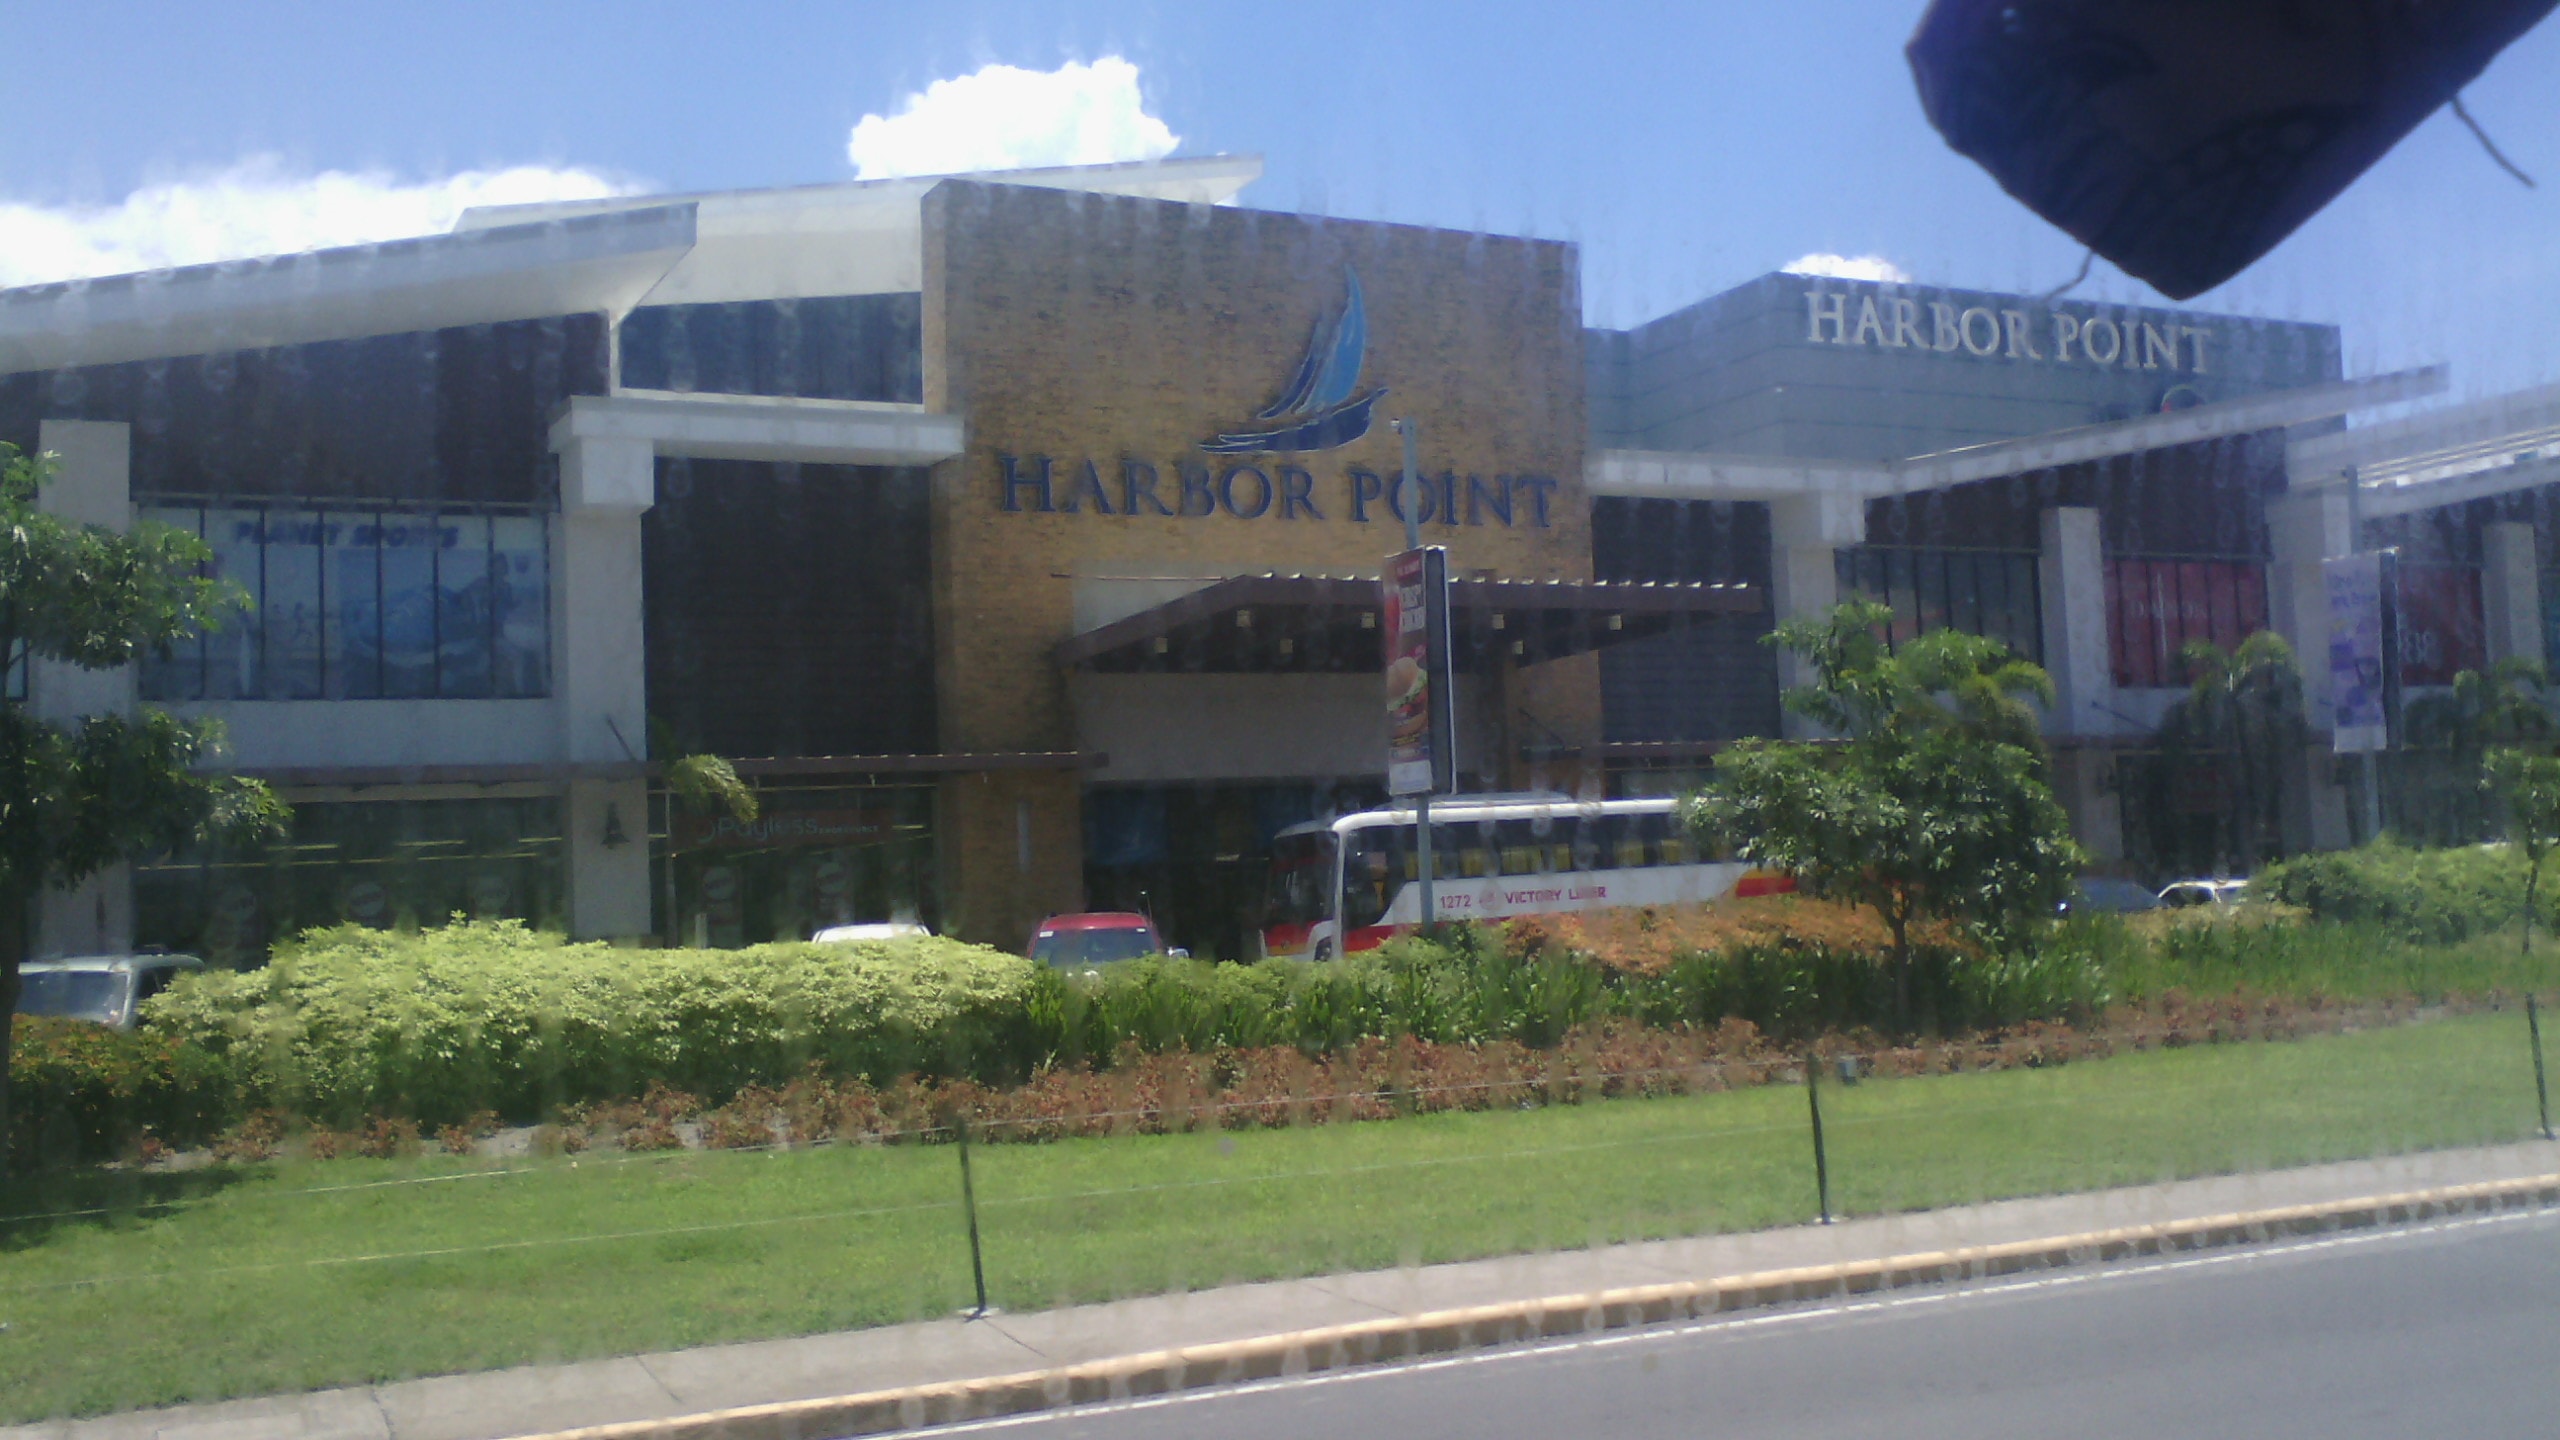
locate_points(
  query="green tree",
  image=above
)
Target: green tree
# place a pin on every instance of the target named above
(1930, 804)
(2526, 786)
(2245, 705)
(2505, 704)
(74, 800)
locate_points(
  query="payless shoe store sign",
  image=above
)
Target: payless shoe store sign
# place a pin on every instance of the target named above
(1322, 406)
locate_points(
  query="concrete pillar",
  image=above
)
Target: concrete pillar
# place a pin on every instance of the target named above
(2511, 591)
(600, 675)
(2071, 577)
(2071, 580)
(2302, 531)
(1805, 534)
(92, 485)
(1010, 851)
(606, 827)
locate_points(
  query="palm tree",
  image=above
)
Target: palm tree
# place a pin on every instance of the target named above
(2507, 704)
(2246, 703)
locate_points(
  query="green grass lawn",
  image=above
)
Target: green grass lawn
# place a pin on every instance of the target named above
(295, 1276)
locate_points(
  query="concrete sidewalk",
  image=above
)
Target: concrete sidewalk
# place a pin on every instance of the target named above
(499, 1404)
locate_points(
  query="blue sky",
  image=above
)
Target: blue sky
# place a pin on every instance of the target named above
(1687, 147)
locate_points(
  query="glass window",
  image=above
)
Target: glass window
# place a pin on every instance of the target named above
(2155, 607)
(231, 654)
(178, 674)
(463, 616)
(408, 545)
(289, 617)
(351, 574)
(1980, 592)
(366, 603)
(520, 604)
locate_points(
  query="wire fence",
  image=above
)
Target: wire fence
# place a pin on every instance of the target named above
(1872, 1131)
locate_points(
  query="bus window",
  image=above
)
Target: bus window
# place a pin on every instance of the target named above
(1377, 861)
(1301, 873)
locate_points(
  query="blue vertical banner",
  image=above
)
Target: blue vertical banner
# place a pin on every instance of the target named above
(1422, 752)
(2360, 679)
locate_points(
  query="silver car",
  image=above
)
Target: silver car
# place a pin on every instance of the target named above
(108, 989)
(2186, 894)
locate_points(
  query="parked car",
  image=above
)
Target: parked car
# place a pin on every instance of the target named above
(2102, 894)
(1097, 938)
(108, 989)
(872, 930)
(2184, 894)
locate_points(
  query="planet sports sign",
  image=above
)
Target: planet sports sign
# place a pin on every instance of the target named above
(2054, 337)
(1266, 490)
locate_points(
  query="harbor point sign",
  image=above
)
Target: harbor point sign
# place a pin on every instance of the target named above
(2053, 337)
(1266, 490)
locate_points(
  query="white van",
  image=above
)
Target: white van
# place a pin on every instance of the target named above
(108, 989)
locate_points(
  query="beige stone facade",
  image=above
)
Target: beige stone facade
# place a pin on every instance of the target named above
(1094, 344)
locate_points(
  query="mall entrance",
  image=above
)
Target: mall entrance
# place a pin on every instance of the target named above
(814, 857)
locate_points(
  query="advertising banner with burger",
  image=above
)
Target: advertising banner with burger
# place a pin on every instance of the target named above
(1421, 742)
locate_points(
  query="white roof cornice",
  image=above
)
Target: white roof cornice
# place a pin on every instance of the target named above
(759, 427)
(560, 267)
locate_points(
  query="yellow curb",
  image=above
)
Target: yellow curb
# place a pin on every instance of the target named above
(1445, 1332)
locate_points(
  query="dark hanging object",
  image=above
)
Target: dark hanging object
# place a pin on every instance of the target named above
(2182, 139)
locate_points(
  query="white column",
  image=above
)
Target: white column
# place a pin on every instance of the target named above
(2302, 531)
(2071, 575)
(600, 676)
(1805, 532)
(2071, 580)
(2511, 591)
(92, 485)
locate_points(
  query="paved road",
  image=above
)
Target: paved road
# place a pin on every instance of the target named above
(2446, 1331)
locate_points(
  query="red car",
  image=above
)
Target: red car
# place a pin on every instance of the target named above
(1096, 938)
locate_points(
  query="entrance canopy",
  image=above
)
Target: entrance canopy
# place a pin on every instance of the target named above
(1319, 623)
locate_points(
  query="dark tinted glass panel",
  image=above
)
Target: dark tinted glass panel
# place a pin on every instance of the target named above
(457, 414)
(789, 608)
(834, 347)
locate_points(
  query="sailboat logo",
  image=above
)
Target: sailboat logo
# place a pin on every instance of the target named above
(1321, 407)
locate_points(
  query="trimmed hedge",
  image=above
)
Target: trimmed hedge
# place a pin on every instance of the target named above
(437, 1026)
(1790, 967)
(2431, 896)
(441, 1024)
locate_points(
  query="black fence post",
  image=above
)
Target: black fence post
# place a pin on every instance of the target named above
(2541, 1088)
(1821, 1161)
(969, 1202)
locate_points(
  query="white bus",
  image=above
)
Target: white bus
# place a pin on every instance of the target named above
(1348, 884)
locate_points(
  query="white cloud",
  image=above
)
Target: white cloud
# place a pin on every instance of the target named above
(257, 207)
(1848, 267)
(1006, 118)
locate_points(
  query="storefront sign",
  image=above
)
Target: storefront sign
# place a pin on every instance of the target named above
(786, 827)
(2359, 629)
(1421, 713)
(2050, 335)
(1281, 491)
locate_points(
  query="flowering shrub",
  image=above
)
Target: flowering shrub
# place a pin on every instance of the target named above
(80, 1091)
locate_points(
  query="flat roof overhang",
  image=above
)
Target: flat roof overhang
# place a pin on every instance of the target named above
(2475, 451)
(1685, 475)
(753, 768)
(1329, 623)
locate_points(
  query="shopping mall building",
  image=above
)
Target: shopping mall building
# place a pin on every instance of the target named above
(1017, 537)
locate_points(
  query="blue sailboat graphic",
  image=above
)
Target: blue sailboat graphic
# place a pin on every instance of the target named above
(1317, 409)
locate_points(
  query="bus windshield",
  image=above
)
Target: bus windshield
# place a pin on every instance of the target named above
(1301, 874)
